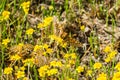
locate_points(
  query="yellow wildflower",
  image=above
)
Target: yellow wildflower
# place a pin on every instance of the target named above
(110, 56)
(82, 28)
(29, 62)
(53, 63)
(52, 72)
(73, 56)
(25, 78)
(45, 46)
(5, 15)
(107, 49)
(30, 31)
(25, 6)
(16, 67)
(68, 65)
(8, 70)
(56, 63)
(40, 25)
(47, 21)
(64, 44)
(5, 41)
(97, 65)
(89, 73)
(37, 47)
(72, 62)
(42, 7)
(51, 7)
(42, 70)
(108, 59)
(66, 56)
(118, 66)
(15, 57)
(49, 50)
(70, 79)
(80, 69)
(116, 76)
(102, 76)
(22, 68)
(21, 44)
(20, 74)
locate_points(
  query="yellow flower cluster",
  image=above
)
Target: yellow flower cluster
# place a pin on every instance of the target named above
(46, 22)
(25, 6)
(51, 7)
(29, 62)
(30, 31)
(82, 28)
(97, 65)
(70, 56)
(89, 73)
(80, 69)
(118, 66)
(42, 70)
(37, 47)
(116, 76)
(52, 72)
(110, 56)
(15, 57)
(56, 63)
(20, 74)
(8, 70)
(5, 41)
(5, 15)
(107, 49)
(102, 76)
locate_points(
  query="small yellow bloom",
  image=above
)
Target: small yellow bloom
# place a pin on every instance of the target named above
(30, 31)
(29, 61)
(97, 65)
(45, 46)
(25, 78)
(66, 56)
(20, 74)
(15, 57)
(51, 7)
(47, 21)
(53, 63)
(42, 7)
(110, 56)
(5, 15)
(82, 28)
(102, 76)
(5, 41)
(107, 49)
(40, 25)
(73, 56)
(52, 72)
(89, 73)
(118, 66)
(68, 65)
(8, 70)
(22, 68)
(49, 50)
(37, 47)
(116, 76)
(108, 59)
(72, 62)
(21, 44)
(80, 69)
(25, 6)
(42, 70)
